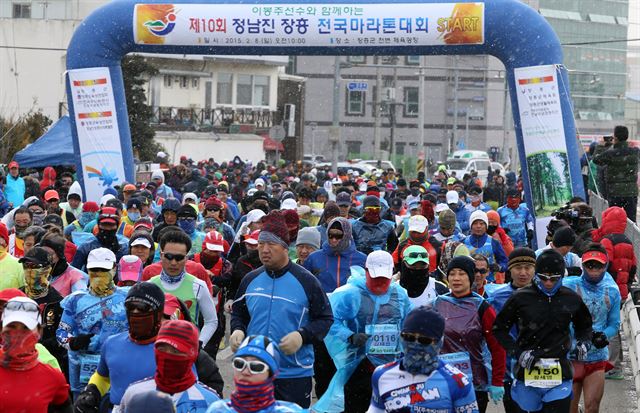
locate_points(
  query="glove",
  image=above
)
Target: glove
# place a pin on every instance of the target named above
(228, 306)
(235, 339)
(358, 339)
(88, 401)
(527, 359)
(496, 393)
(581, 350)
(291, 343)
(529, 234)
(80, 342)
(599, 340)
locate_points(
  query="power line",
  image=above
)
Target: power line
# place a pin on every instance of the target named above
(32, 48)
(601, 42)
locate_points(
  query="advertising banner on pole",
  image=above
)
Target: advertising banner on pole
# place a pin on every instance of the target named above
(544, 142)
(97, 129)
(310, 25)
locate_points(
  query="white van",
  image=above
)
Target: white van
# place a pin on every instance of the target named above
(463, 162)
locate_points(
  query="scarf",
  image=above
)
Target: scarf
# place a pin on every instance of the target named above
(549, 293)
(172, 279)
(420, 359)
(144, 327)
(173, 372)
(19, 349)
(101, 283)
(252, 397)
(36, 281)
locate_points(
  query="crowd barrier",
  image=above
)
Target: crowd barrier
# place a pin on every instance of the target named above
(630, 320)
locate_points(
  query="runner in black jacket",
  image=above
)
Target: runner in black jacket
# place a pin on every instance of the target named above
(543, 313)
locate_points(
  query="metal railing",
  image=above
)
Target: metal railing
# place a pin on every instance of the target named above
(175, 118)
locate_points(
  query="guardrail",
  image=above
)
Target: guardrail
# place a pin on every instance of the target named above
(630, 322)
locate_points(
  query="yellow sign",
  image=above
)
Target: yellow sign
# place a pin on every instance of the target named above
(546, 373)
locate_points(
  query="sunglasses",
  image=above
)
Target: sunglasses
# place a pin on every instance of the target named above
(142, 307)
(335, 236)
(170, 257)
(32, 265)
(412, 338)
(255, 366)
(372, 208)
(481, 270)
(593, 265)
(21, 306)
(554, 277)
(213, 209)
(188, 219)
(416, 255)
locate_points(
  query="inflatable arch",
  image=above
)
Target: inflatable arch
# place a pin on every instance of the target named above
(507, 29)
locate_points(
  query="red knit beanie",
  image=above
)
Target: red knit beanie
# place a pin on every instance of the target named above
(275, 224)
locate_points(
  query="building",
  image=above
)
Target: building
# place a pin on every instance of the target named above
(228, 94)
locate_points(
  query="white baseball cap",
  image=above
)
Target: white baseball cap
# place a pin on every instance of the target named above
(288, 203)
(452, 197)
(21, 310)
(259, 181)
(418, 223)
(141, 241)
(441, 207)
(101, 258)
(254, 215)
(191, 196)
(380, 264)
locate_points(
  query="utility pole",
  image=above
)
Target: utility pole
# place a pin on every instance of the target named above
(421, 107)
(377, 117)
(392, 113)
(334, 134)
(454, 136)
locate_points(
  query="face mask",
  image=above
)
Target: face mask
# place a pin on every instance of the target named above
(491, 229)
(420, 359)
(414, 281)
(20, 231)
(188, 226)
(208, 261)
(38, 218)
(133, 216)
(101, 282)
(538, 282)
(372, 216)
(173, 372)
(107, 237)
(512, 202)
(379, 285)
(253, 397)
(86, 217)
(143, 327)
(19, 349)
(36, 281)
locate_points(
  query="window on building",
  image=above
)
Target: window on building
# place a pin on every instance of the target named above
(412, 60)
(601, 18)
(21, 11)
(355, 102)
(357, 59)
(243, 90)
(168, 80)
(184, 82)
(400, 146)
(261, 90)
(224, 89)
(195, 82)
(411, 101)
(389, 60)
(353, 147)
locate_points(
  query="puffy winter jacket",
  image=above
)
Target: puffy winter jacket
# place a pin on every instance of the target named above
(333, 268)
(622, 259)
(622, 169)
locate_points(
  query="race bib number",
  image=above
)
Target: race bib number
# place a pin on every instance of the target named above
(459, 360)
(546, 374)
(88, 365)
(383, 338)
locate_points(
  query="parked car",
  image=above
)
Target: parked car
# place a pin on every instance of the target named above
(464, 162)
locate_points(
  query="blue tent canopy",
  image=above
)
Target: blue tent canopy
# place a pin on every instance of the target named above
(55, 147)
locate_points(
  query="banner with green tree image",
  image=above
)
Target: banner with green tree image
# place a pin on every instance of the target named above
(550, 181)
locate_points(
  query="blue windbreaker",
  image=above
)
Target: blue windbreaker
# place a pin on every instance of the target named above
(333, 269)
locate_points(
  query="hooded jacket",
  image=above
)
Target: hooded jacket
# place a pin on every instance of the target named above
(332, 266)
(77, 190)
(622, 259)
(48, 178)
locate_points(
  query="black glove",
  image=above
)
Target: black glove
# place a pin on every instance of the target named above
(574, 271)
(80, 342)
(529, 234)
(88, 401)
(599, 339)
(358, 339)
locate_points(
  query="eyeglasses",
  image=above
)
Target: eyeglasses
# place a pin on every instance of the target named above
(170, 257)
(412, 338)
(255, 366)
(416, 255)
(21, 306)
(554, 277)
(481, 270)
(593, 265)
(333, 235)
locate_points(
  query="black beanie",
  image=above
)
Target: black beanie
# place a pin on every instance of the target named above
(564, 237)
(147, 293)
(550, 262)
(522, 255)
(424, 321)
(464, 263)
